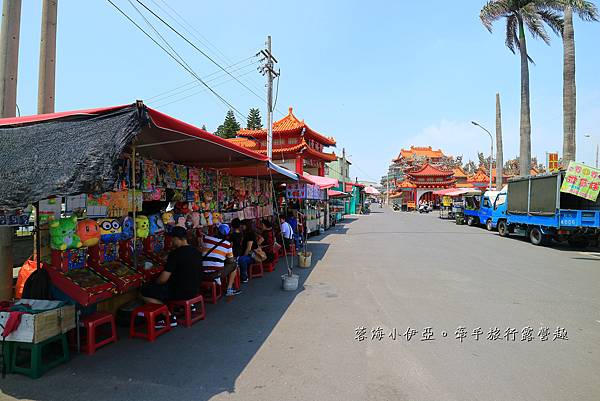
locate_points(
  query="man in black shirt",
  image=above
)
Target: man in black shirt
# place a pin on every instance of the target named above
(182, 275)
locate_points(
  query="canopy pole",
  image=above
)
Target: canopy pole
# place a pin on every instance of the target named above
(134, 201)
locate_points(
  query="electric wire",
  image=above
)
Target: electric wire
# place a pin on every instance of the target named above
(198, 49)
(174, 58)
(205, 77)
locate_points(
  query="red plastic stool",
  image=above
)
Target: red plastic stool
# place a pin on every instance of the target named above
(211, 291)
(292, 250)
(269, 266)
(255, 270)
(190, 317)
(150, 312)
(91, 324)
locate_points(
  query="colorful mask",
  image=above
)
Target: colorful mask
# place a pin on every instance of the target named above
(88, 232)
(156, 224)
(180, 220)
(127, 228)
(142, 226)
(62, 234)
(195, 219)
(110, 230)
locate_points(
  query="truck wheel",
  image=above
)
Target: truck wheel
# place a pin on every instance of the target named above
(470, 221)
(503, 228)
(536, 237)
(488, 225)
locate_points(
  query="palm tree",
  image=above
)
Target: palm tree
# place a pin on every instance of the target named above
(520, 14)
(499, 155)
(587, 11)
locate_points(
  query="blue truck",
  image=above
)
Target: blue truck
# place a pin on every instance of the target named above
(478, 209)
(534, 207)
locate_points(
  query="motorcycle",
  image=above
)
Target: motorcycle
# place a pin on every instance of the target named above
(424, 208)
(396, 207)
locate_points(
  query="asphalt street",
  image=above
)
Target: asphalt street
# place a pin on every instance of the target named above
(378, 317)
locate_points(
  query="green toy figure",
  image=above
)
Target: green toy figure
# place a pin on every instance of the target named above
(62, 234)
(142, 226)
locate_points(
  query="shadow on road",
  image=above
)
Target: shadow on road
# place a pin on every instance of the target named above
(187, 363)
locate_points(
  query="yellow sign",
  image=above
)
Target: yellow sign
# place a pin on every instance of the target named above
(446, 201)
(552, 161)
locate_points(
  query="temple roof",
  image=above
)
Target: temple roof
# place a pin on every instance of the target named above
(419, 151)
(301, 147)
(479, 176)
(427, 170)
(290, 125)
(406, 184)
(459, 173)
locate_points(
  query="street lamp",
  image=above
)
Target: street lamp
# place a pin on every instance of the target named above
(491, 148)
(590, 136)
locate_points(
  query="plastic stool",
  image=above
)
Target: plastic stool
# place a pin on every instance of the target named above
(37, 364)
(211, 291)
(255, 270)
(190, 317)
(269, 266)
(150, 312)
(91, 324)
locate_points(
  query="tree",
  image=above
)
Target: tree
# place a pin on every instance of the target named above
(520, 14)
(229, 128)
(254, 121)
(499, 151)
(587, 11)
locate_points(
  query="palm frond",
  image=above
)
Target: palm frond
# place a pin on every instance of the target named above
(512, 38)
(534, 23)
(553, 20)
(494, 10)
(586, 10)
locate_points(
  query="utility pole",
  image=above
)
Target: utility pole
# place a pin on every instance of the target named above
(47, 73)
(268, 70)
(9, 66)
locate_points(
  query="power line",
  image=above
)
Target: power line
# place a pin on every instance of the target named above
(205, 77)
(199, 50)
(174, 58)
(194, 84)
(195, 93)
(204, 38)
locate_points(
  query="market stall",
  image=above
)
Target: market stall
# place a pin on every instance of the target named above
(120, 177)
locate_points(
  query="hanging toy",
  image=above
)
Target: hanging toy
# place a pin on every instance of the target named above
(127, 229)
(156, 224)
(195, 219)
(180, 220)
(110, 230)
(88, 232)
(142, 226)
(62, 234)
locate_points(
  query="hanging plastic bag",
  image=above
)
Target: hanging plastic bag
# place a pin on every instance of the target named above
(28, 267)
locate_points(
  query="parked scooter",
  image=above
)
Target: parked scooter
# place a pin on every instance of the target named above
(396, 207)
(424, 208)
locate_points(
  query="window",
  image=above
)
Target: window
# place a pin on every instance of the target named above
(292, 141)
(500, 200)
(278, 142)
(486, 203)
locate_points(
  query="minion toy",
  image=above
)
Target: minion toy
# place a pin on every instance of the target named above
(110, 230)
(142, 226)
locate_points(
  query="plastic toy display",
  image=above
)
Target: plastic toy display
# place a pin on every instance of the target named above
(127, 228)
(110, 230)
(62, 234)
(88, 232)
(142, 226)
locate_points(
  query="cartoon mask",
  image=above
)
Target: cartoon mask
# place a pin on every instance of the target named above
(195, 219)
(180, 220)
(127, 228)
(62, 234)
(110, 230)
(88, 232)
(156, 224)
(142, 226)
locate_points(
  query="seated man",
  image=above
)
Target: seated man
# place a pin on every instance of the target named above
(182, 275)
(242, 248)
(218, 259)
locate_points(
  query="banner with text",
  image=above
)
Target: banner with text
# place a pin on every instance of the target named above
(581, 180)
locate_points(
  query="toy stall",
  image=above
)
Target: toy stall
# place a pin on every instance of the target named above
(106, 185)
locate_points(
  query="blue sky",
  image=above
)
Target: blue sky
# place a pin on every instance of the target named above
(376, 75)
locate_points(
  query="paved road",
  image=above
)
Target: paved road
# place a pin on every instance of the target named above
(388, 270)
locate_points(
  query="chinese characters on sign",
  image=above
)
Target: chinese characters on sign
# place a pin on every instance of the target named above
(462, 334)
(581, 180)
(552, 161)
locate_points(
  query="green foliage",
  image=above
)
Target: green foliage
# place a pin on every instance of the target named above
(254, 120)
(229, 128)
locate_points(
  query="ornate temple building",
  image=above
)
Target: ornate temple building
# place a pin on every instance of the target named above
(296, 146)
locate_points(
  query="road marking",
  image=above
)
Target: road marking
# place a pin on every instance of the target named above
(593, 254)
